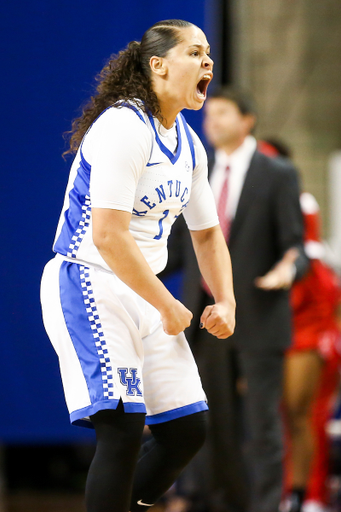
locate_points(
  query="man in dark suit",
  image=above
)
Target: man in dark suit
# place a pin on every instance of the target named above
(258, 205)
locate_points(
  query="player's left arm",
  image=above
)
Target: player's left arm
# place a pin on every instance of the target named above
(215, 266)
(211, 250)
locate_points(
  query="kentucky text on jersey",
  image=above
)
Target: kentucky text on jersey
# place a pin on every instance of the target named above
(164, 194)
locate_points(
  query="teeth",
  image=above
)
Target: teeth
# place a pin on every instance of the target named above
(206, 77)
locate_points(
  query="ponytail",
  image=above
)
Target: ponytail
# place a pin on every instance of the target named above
(127, 76)
(135, 51)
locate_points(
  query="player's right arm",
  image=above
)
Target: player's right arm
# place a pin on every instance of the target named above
(118, 149)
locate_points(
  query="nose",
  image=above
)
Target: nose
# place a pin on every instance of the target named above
(208, 62)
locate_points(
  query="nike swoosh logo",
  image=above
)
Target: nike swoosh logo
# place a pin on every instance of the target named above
(140, 502)
(156, 163)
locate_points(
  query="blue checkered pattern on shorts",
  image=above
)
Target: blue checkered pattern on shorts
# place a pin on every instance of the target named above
(93, 317)
(81, 230)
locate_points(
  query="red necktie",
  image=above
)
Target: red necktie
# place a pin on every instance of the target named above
(222, 215)
(221, 206)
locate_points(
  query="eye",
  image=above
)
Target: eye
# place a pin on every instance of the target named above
(195, 53)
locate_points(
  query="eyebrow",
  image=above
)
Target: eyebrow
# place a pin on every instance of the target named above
(208, 48)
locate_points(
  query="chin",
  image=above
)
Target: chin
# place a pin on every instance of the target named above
(196, 105)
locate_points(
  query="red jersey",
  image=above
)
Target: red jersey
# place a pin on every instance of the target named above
(314, 299)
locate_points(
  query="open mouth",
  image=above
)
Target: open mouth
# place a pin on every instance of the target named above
(203, 84)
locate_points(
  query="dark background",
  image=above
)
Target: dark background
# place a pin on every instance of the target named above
(50, 53)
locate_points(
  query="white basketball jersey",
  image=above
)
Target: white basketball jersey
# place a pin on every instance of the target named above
(123, 164)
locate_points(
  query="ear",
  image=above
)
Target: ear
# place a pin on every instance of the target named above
(250, 122)
(158, 65)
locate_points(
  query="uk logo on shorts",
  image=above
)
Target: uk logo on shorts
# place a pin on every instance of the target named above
(131, 381)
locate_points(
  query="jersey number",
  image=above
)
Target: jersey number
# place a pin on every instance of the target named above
(157, 237)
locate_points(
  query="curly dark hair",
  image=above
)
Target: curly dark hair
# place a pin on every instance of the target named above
(127, 76)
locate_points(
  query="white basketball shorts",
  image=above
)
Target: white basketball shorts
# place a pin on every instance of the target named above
(111, 346)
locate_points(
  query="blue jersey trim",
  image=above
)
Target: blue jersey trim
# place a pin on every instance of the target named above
(189, 138)
(176, 413)
(77, 417)
(173, 158)
(131, 407)
(77, 216)
(85, 164)
(135, 109)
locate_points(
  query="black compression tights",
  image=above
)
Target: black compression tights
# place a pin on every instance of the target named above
(109, 482)
(112, 485)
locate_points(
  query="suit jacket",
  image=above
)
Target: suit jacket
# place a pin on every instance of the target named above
(267, 223)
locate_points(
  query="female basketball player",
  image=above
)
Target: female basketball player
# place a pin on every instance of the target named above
(117, 330)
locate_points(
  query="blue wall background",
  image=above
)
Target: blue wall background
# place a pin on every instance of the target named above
(51, 52)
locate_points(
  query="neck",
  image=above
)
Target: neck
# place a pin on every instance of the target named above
(168, 106)
(230, 147)
(168, 114)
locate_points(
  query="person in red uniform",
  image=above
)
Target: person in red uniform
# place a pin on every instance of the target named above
(311, 372)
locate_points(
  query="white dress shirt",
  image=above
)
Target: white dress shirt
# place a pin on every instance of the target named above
(239, 163)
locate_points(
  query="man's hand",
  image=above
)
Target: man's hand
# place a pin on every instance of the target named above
(282, 275)
(219, 320)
